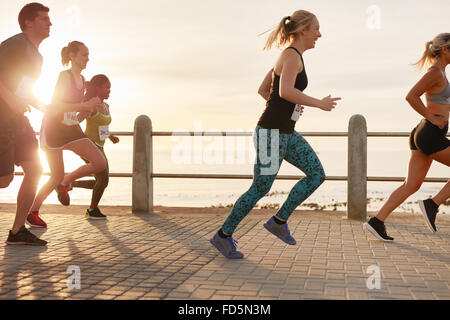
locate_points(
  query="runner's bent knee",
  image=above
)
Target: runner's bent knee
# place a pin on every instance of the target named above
(5, 181)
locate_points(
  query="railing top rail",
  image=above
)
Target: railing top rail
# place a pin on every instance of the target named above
(116, 133)
(239, 133)
(280, 177)
(250, 133)
(249, 176)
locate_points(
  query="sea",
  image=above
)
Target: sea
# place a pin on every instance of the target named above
(235, 155)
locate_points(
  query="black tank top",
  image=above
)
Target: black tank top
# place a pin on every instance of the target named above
(280, 112)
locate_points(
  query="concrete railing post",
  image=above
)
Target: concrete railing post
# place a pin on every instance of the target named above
(142, 188)
(357, 168)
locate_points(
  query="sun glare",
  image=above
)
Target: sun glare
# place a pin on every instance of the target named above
(50, 69)
(45, 85)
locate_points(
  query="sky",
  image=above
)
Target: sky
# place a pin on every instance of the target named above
(199, 63)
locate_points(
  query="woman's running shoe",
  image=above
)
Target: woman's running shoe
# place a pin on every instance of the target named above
(34, 221)
(281, 231)
(378, 229)
(94, 214)
(429, 210)
(226, 246)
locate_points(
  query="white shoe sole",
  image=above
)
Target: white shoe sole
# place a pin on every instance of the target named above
(425, 216)
(372, 230)
(35, 226)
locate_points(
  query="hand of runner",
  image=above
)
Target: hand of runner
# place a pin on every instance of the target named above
(84, 115)
(114, 139)
(328, 103)
(92, 105)
(438, 121)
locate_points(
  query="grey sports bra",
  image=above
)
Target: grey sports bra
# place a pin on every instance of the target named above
(442, 97)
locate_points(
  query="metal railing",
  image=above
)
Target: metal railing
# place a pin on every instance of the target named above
(357, 163)
(280, 177)
(143, 175)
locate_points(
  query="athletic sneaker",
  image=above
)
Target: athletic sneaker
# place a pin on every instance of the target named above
(25, 237)
(226, 246)
(378, 229)
(429, 210)
(95, 214)
(63, 194)
(280, 230)
(34, 221)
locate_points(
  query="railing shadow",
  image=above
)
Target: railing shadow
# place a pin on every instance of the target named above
(425, 253)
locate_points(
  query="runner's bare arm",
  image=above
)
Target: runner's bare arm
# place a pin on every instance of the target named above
(266, 85)
(12, 101)
(290, 66)
(58, 104)
(428, 81)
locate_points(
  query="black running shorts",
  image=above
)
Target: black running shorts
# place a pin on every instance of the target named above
(428, 138)
(18, 144)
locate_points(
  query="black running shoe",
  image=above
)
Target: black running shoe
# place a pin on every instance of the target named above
(429, 210)
(25, 237)
(95, 214)
(378, 229)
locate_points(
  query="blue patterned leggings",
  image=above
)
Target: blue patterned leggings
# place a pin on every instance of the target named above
(294, 149)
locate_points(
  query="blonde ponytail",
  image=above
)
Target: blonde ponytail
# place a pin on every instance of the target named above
(279, 36)
(287, 29)
(72, 47)
(433, 50)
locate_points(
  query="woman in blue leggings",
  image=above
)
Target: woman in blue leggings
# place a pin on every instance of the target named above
(275, 137)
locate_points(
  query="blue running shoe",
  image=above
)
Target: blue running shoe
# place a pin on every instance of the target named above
(226, 246)
(280, 230)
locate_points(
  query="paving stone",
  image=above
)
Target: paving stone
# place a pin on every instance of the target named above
(170, 257)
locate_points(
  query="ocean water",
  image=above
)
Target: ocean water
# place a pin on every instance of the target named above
(235, 155)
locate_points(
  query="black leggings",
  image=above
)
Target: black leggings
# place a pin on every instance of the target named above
(98, 185)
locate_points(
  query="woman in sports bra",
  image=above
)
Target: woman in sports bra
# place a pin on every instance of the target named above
(97, 130)
(427, 140)
(275, 137)
(60, 131)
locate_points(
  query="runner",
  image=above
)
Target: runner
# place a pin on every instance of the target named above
(427, 140)
(60, 131)
(275, 137)
(20, 67)
(97, 129)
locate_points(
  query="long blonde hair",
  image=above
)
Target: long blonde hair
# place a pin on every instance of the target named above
(285, 32)
(433, 50)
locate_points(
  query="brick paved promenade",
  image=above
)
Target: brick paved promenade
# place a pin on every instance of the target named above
(167, 255)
